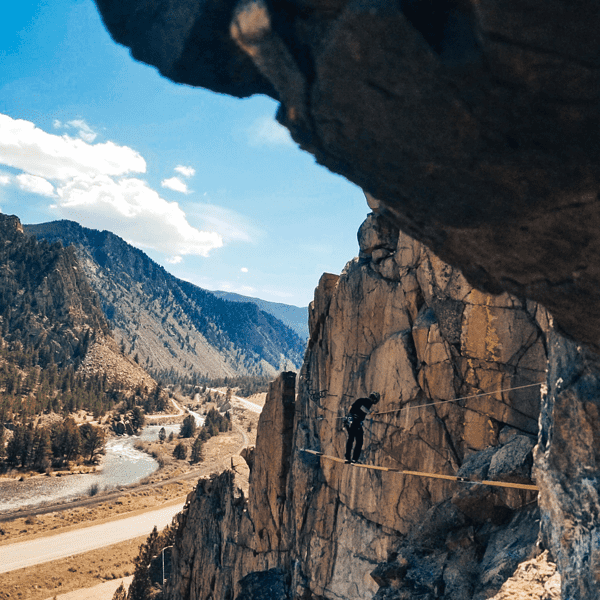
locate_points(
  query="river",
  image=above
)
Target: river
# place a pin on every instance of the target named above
(122, 465)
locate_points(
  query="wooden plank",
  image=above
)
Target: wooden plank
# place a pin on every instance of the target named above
(519, 486)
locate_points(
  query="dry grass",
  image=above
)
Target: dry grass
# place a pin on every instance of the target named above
(20, 530)
(72, 573)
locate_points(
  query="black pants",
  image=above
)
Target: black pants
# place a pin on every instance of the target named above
(355, 437)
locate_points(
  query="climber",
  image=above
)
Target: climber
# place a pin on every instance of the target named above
(353, 424)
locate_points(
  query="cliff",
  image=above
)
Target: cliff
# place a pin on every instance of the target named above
(400, 321)
(468, 125)
(173, 326)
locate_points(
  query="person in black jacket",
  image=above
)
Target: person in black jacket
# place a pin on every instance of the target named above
(353, 423)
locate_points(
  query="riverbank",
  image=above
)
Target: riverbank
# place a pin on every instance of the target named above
(113, 562)
(176, 479)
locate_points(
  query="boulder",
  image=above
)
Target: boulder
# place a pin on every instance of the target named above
(265, 585)
(513, 461)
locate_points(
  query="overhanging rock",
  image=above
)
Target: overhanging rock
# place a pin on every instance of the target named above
(475, 123)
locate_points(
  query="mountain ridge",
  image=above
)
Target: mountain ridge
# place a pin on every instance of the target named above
(295, 317)
(55, 342)
(171, 325)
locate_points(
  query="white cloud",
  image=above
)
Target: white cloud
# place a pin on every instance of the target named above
(133, 210)
(92, 188)
(174, 260)
(26, 147)
(244, 270)
(85, 132)
(57, 124)
(230, 224)
(185, 171)
(174, 183)
(36, 185)
(265, 131)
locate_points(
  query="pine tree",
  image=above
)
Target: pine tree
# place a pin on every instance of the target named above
(180, 451)
(140, 586)
(42, 449)
(120, 593)
(197, 450)
(188, 427)
(92, 440)
(14, 448)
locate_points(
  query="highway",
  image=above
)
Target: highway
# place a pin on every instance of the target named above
(54, 547)
(251, 406)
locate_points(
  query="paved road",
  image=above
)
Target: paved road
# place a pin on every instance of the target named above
(46, 549)
(256, 408)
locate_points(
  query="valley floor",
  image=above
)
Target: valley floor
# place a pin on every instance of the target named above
(113, 562)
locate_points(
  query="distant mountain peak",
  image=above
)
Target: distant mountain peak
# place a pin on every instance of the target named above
(173, 326)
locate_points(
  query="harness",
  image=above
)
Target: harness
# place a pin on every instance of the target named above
(349, 420)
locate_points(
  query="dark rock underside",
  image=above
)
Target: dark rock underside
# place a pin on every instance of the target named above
(475, 124)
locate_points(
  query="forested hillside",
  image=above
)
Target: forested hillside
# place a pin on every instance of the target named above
(56, 350)
(172, 326)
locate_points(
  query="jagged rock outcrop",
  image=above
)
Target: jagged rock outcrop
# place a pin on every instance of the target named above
(400, 321)
(470, 120)
(567, 465)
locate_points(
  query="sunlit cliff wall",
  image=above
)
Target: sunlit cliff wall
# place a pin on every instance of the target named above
(400, 321)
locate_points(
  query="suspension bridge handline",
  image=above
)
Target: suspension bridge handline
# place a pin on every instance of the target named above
(396, 410)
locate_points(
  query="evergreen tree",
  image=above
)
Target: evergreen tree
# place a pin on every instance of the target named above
(15, 446)
(180, 451)
(140, 586)
(120, 593)
(92, 441)
(66, 441)
(42, 449)
(188, 427)
(197, 450)
(137, 418)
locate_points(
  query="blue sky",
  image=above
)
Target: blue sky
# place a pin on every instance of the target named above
(210, 186)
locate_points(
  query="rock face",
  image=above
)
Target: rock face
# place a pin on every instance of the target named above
(469, 120)
(451, 364)
(567, 465)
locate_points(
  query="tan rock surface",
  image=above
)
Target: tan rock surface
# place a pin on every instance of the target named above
(411, 328)
(535, 579)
